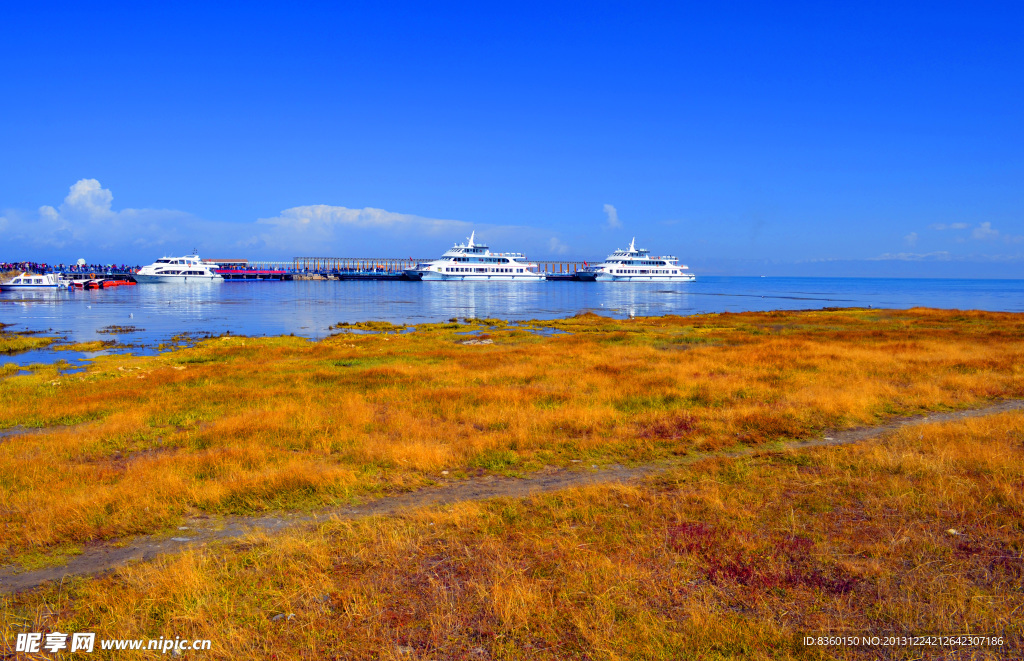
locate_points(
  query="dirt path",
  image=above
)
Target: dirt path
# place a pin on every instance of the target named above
(105, 557)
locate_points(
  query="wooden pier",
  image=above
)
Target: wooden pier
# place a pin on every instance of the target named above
(393, 265)
(358, 268)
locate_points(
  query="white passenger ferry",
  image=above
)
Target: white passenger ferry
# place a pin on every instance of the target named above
(475, 261)
(637, 265)
(34, 281)
(178, 269)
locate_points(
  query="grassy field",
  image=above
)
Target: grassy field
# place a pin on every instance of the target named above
(916, 533)
(241, 425)
(727, 556)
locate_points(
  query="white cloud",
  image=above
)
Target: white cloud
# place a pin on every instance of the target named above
(940, 255)
(984, 232)
(326, 229)
(613, 216)
(88, 199)
(911, 239)
(323, 217)
(557, 247)
(85, 219)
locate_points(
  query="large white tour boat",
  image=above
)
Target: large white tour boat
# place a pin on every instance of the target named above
(475, 261)
(179, 269)
(637, 265)
(34, 281)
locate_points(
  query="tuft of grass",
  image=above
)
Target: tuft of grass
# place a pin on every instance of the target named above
(379, 326)
(118, 330)
(95, 345)
(12, 343)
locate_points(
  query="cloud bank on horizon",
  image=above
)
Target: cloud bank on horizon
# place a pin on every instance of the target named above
(86, 225)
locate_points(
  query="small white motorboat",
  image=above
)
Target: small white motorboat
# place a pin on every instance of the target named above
(34, 281)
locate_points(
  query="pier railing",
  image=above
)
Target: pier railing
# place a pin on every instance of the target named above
(352, 264)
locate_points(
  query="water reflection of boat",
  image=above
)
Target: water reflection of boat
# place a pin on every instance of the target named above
(637, 265)
(475, 261)
(34, 281)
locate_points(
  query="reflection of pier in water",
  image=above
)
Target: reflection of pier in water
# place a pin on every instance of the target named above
(359, 268)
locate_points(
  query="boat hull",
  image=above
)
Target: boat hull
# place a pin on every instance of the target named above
(27, 287)
(601, 276)
(608, 277)
(165, 279)
(413, 274)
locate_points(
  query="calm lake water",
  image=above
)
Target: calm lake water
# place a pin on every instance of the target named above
(308, 308)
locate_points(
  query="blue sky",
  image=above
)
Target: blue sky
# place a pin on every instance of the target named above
(878, 139)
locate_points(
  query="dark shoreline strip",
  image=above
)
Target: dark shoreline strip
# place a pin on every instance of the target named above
(104, 557)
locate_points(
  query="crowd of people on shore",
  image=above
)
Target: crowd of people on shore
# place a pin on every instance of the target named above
(42, 267)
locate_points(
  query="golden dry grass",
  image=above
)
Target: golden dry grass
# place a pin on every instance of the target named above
(240, 425)
(724, 558)
(11, 343)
